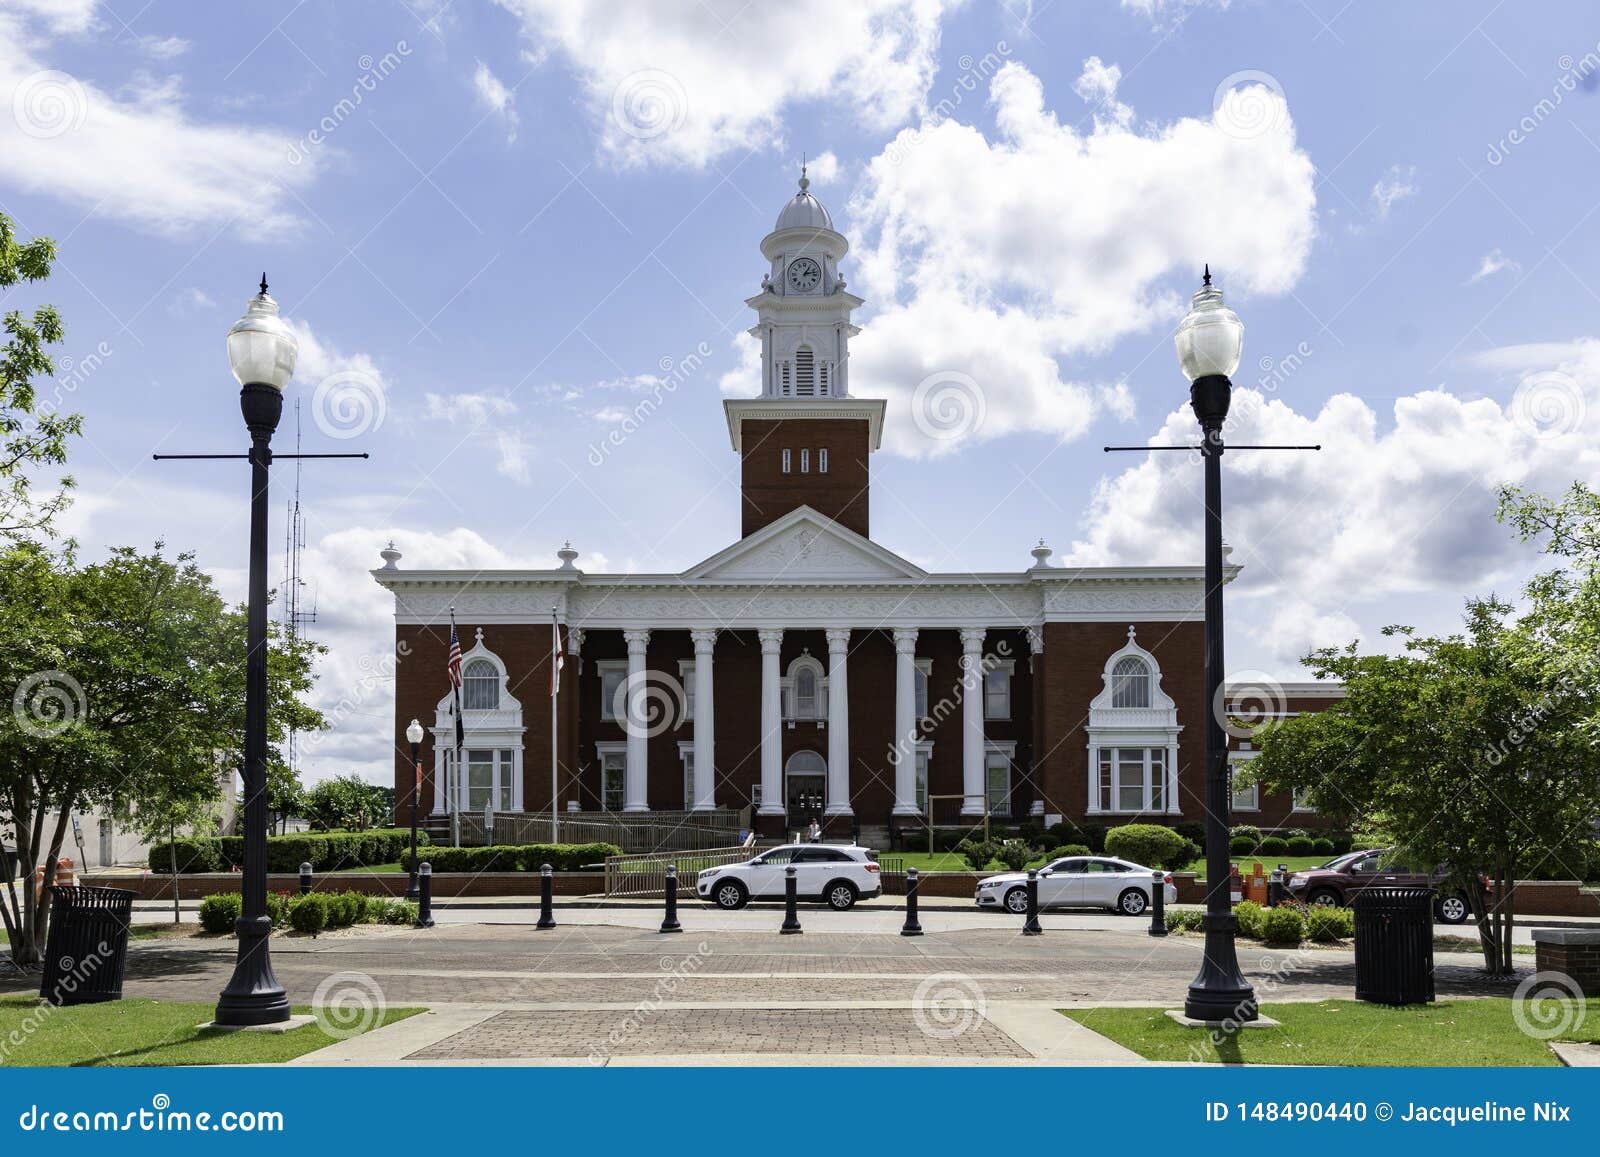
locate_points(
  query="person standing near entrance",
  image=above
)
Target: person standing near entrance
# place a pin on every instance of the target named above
(814, 833)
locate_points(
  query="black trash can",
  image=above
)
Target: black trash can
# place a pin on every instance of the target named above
(1394, 945)
(88, 945)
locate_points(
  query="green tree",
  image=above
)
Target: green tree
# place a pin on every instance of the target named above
(1473, 749)
(347, 802)
(127, 684)
(33, 433)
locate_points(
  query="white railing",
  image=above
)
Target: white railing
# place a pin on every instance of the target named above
(646, 875)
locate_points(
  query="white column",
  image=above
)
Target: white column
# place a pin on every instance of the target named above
(905, 721)
(838, 723)
(772, 803)
(441, 788)
(705, 720)
(636, 785)
(972, 720)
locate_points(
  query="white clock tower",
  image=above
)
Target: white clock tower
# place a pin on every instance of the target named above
(804, 440)
(803, 309)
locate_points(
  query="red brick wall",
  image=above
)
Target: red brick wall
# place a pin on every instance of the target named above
(420, 682)
(769, 493)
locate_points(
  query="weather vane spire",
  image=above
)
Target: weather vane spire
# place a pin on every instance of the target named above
(1206, 280)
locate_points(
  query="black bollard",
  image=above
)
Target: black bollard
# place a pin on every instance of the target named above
(305, 879)
(424, 895)
(1030, 926)
(791, 918)
(547, 884)
(1158, 903)
(670, 922)
(911, 926)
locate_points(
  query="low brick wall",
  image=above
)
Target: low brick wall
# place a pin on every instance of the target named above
(445, 884)
(1573, 951)
(1532, 897)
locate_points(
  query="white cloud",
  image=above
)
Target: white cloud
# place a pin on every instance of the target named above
(823, 169)
(190, 301)
(683, 82)
(1097, 85)
(496, 98)
(1394, 505)
(1396, 185)
(480, 414)
(1164, 13)
(67, 137)
(1493, 262)
(60, 16)
(164, 47)
(995, 257)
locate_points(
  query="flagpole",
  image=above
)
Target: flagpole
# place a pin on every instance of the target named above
(555, 687)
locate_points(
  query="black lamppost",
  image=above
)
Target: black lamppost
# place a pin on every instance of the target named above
(262, 350)
(414, 737)
(1210, 340)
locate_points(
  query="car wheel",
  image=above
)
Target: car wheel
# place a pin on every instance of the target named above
(841, 895)
(730, 894)
(1451, 910)
(1132, 902)
(1017, 900)
(1325, 898)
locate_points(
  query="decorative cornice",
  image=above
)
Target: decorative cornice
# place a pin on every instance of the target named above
(869, 409)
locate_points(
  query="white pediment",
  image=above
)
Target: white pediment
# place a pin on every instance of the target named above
(805, 546)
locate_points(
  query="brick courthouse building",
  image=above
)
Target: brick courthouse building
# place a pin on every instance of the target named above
(805, 671)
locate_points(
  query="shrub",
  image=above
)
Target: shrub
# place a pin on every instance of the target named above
(277, 908)
(1149, 844)
(514, 858)
(977, 853)
(1192, 830)
(1301, 845)
(309, 914)
(1342, 842)
(193, 855)
(1251, 917)
(1242, 845)
(1069, 850)
(1274, 846)
(218, 914)
(1322, 846)
(1183, 919)
(1283, 925)
(1247, 831)
(1330, 924)
(1014, 854)
(393, 912)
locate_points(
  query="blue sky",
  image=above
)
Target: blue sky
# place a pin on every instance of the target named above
(498, 227)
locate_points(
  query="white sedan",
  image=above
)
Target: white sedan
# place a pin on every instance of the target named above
(836, 874)
(1079, 882)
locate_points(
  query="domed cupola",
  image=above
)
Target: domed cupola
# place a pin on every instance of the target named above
(804, 211)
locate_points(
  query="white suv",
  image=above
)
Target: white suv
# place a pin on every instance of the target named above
(836, 874)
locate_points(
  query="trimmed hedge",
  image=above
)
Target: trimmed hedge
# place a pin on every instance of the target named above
(310, 913)
(1283, 925)
(1069, 850)
(1242, 845)
(514, 858)
(1274, 846)
(1183, 919)
(1302, 846)
(324, 851)
(1151, 844)
(1330, 924)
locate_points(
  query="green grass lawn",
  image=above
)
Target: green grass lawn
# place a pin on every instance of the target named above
(1342, 1032)
(394, 867)
(950, 862)
(1247, 863)
(146, 1032)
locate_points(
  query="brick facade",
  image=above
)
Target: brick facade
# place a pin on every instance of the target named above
(768, 493)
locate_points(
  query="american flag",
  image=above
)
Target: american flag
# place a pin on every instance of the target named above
(454, 665)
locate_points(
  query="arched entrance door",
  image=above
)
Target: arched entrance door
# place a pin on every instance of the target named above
(805, 786)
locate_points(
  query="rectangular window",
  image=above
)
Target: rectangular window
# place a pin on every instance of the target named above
(1302, 801)
(686, 681)
(613, 778)
(1246, 797)
(805, 461)
(997, 782)
(997, 693)
(1133, 779)
(686, 753)
(924, 754)
(613, 674)
(822, 460)
(786, 461)
(489, 775)
(924, 672)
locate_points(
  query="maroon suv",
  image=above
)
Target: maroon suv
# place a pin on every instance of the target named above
(1333, 884)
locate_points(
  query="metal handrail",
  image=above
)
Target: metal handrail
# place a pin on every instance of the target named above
(645, 874)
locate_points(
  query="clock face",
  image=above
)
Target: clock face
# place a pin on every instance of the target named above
(804, 274)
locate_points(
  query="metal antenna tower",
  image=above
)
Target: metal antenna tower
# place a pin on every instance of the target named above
(295, 618)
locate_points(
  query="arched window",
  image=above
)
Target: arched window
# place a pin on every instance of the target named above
(480, 686)
(1130, 683)
(803, 689)
(807, 763)
(805, 372)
